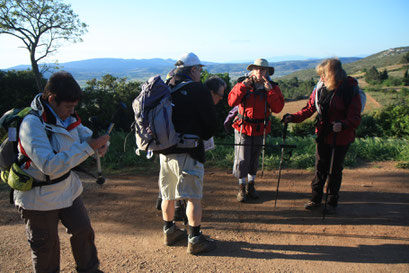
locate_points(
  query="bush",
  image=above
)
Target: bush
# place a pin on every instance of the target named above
(303, 129)
(394, 120)
(369, 127)
(392, 81)
(18, 89)
(276, 127)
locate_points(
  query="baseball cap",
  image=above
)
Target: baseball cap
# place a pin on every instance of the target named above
(188, 59)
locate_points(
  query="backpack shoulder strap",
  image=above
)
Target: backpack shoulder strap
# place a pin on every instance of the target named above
(49, 132)
(179, 86)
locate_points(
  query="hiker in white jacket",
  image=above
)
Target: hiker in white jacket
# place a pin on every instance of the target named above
(53, 141)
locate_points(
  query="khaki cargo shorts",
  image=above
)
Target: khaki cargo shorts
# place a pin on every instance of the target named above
(180, 177)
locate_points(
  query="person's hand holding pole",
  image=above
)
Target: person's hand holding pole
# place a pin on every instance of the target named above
(99, 144)
(337, 127)
(287, 118)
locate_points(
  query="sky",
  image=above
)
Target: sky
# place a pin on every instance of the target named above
(228, 30)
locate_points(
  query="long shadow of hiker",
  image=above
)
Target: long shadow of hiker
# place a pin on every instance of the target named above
(385, 253)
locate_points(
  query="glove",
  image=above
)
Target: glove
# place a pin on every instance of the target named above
(287, 118)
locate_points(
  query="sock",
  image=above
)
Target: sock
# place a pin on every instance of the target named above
(251, 177)
(168, 224)
(242, 181)
(194, 231)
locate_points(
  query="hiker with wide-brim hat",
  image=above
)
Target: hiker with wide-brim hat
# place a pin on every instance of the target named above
(263, 63)
(257, 97)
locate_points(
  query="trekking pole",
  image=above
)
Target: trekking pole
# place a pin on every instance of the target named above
(100, 179)
(264, 139)
(241, 132)
(329, 175)
(281, 161)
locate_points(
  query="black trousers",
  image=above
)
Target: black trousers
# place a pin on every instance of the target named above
(42, 234)
(322, 168)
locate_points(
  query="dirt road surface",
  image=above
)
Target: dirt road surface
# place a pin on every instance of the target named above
(370, 232)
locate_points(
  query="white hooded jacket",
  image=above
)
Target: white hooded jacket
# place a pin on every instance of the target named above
(68, 149)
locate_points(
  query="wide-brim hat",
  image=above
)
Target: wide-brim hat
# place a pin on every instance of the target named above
(261, 63)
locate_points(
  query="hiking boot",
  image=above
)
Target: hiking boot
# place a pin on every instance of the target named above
(241, 196)
(311, 205)
(251, 191)
(200, 244)
(172, 235)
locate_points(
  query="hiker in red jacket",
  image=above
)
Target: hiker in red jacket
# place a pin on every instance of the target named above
(257, 96)
(338, 103)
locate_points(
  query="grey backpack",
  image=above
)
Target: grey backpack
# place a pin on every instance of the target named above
(9, 130)
(154, 130)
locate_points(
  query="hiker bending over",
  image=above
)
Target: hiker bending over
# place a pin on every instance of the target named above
(338, 103)
(53, 141)
(216, 87)
(257, 96)
(181, 169)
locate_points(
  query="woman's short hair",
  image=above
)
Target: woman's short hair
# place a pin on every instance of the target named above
(63, 85)
(213, 83)
(333, 72)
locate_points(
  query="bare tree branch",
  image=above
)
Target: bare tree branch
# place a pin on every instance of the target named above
(39, 24)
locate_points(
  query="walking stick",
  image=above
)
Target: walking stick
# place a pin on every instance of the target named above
(264, 139)
(237, 153)
(281, 161)
(329, 175)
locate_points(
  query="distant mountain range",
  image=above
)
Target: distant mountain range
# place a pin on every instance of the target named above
(142, 69)
(384, 58)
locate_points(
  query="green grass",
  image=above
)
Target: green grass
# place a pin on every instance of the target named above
(303, 157)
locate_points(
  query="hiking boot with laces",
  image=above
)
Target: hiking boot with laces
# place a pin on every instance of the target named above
(200, 244)
(251, 190)
(241, 196)
(311, 205)
(172, 235)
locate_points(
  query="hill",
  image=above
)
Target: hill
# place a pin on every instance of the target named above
(384, 58)
(142, 69)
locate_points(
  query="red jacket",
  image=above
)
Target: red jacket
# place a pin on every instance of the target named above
(254, 107)
(338, 112)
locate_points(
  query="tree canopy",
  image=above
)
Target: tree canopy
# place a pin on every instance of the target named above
(42, 25)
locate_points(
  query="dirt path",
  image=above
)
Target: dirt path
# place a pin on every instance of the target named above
(370, 233)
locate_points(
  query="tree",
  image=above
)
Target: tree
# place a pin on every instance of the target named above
(405, 58)
(41, 25)
(406, 78)
(18, 89)
(101, 99)
(383, 75)
(372, 75)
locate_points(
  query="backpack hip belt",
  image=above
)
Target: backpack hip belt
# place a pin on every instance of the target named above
(37, 183)
(251, 120)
